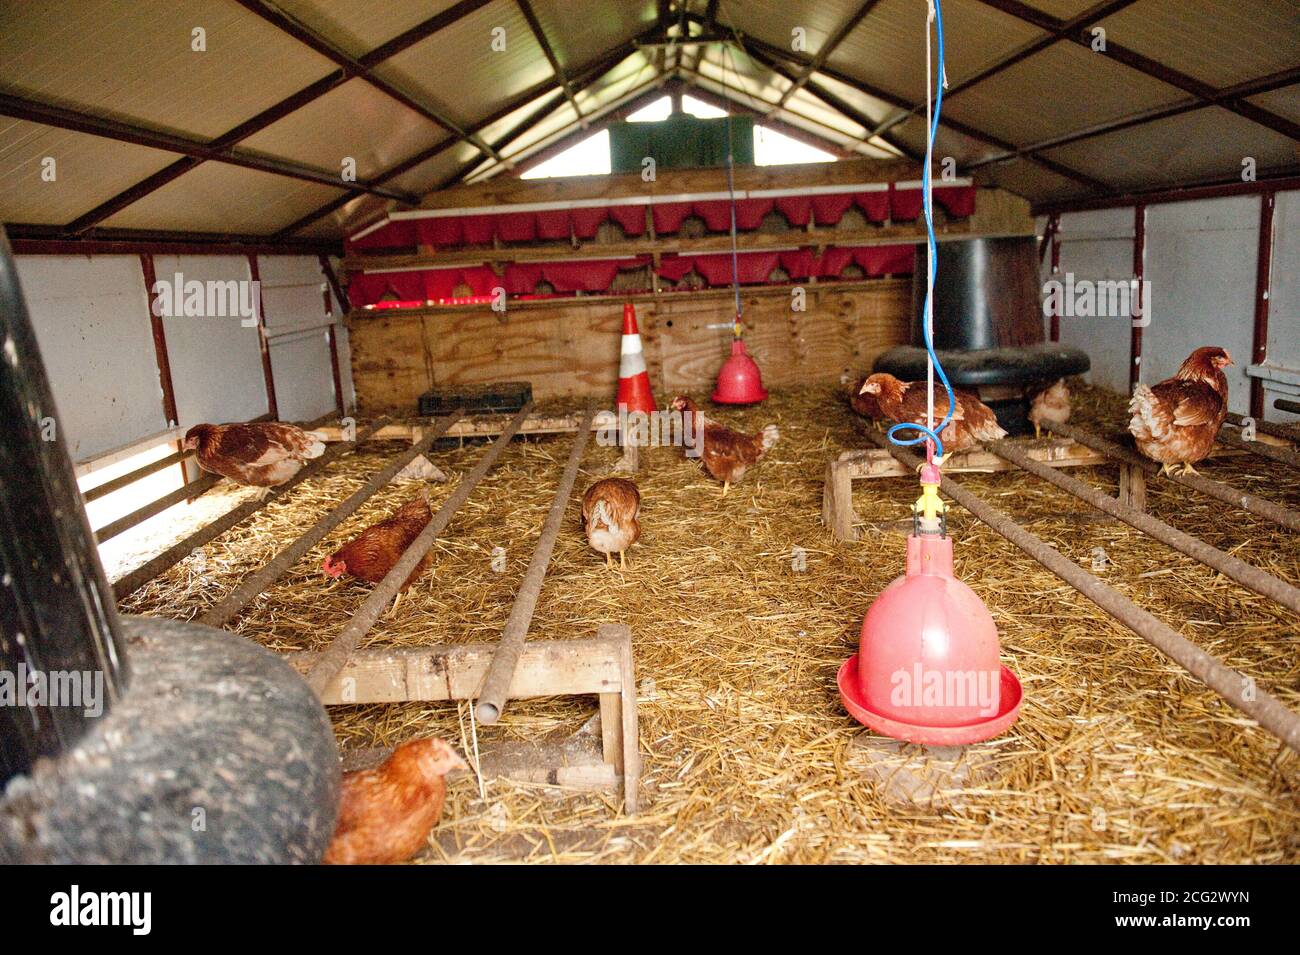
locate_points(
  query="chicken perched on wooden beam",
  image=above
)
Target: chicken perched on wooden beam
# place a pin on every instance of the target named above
(376, 550)
(1177, 421)
(609, 516)
(905, 402)
(386, 813)
(258, 454)
(1050, 404)
(865, 404)
(726, 454)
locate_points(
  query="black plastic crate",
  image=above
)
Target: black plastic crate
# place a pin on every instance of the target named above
(502, 397)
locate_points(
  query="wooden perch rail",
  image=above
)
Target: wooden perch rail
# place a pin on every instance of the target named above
(1229, 495)
(276, 567)
(146, 572)
(496, 684)
(1243, 573)
(336, 655)
(1235, 687)
(140, 515)
(126, 480)
(1274, 452)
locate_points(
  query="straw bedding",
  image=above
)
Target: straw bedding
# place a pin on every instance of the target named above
(1118, 755)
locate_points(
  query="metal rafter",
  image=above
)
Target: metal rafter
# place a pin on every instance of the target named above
(62, 117)
(1263, 84)
(272, 114)
(1084, 19)
(539, 34)
(826, 49)
(1154, 68)
(355, 68)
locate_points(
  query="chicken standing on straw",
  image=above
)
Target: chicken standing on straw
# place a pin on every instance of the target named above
(1050, 404)
(1177, 421)
(609, 516)
(905, 402)
(386, 813)
(373, 553)
(726, 454)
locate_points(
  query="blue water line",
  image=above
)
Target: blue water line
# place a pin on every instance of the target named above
(925, 433)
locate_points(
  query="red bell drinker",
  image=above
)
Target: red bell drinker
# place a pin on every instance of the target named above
(927, 668)
(739, 380)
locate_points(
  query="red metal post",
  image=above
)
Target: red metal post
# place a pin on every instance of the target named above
(1263, 287)
(1139, 260)
(265, 345)
(1054, 238)
(161, 356)
(159, 342)
(331, 337)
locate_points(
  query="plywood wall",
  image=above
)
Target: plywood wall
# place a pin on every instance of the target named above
(571, 348)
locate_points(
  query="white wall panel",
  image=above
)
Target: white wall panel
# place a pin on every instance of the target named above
(1284, 307)
(92, 323)
(216, 361)
(1200, 259)
(292, 298)
(1098, 246)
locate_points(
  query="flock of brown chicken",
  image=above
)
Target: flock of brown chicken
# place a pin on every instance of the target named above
(387, 813)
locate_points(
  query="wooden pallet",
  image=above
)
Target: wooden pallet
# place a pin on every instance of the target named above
(599, 666)
(850, 466)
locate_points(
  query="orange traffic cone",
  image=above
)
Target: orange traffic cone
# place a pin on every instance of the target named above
(633, 380)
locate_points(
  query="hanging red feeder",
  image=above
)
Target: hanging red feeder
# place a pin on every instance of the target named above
(927, 668)
(739, 380)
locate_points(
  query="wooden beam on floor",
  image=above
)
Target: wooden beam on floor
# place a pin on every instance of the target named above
(341, 648)
(276, 567)
(496, 684)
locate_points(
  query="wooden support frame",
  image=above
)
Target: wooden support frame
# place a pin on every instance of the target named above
(600, 666)
(1233, 686)
(1229, 495)
(850, 466)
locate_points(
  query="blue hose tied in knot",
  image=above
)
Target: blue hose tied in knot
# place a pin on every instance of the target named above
(924, 433)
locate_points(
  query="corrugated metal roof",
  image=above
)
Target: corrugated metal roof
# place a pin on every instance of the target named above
(220, 198)
(1187, 148)
(1217, 43)
(888, 47)
(581, 30)
(461, 73)
(134, 61)
(355, 120)
(106, 63)
(87, 170)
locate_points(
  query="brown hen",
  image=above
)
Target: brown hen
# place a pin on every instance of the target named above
(386, 813)
(1178, 420)
(258, 453)
(726, 454)
(905, 401)
(609, 516)
(373, 553)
